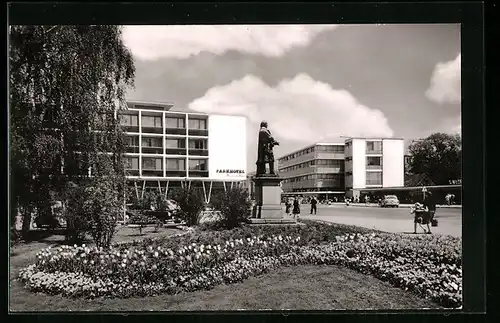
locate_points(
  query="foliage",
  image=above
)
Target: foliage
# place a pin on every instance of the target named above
(65, 82)
(77, 219)
(429, 266)
(191, 204)
(104, 204)
(142, 219)
(234, 206)
(439, 156)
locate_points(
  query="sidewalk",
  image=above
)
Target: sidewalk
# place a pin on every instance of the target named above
(400, 205)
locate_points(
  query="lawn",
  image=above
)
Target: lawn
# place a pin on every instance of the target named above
(302, 287)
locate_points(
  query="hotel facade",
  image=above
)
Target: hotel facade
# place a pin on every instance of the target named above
(167, 149)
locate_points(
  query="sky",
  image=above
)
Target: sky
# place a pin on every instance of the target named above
(311, 83)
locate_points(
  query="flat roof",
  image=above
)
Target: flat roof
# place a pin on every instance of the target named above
(374, 138)
(406, 188)
(313, 145)
(312, 193)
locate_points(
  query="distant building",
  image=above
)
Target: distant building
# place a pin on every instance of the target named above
(373, 163)
(330, 170)
(316, 169)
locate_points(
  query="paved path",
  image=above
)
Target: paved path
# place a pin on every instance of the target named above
(386, 219)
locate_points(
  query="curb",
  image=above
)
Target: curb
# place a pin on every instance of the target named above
(401, 205)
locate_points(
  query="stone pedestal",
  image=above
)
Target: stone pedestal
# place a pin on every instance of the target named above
(268, 202)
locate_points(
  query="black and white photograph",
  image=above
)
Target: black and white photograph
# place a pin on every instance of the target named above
(235, 167)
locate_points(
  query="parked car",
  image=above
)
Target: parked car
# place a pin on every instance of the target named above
(389, 201)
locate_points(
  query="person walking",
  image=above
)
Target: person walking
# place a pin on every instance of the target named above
(288, 206)
(430, 210)
(296, 208)
(314, 205)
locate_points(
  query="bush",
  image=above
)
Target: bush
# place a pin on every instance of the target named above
(191, 204)
(77, 218)
(234, 206)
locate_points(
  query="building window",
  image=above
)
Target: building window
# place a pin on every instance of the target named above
(198, 144)
(200, 124)
(176, 143)
(132, 141)
(373, 178)
(151, 163)
(151, 122)
(176, 164)
(152, 142)
(374, 147)
(198, 164)
(176, 123)
(129, 120)
(373, 162)
(131, 163)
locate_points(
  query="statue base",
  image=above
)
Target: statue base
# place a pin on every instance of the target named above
(268, 201)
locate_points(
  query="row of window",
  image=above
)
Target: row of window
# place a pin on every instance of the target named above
(372, 162)
(130, 120)
(314, 177)
(372, 178)
(157, 142)
(372, 147)
(320, 148)
(173, 164)
(327, 163)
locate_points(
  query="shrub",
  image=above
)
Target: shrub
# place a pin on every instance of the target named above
(143, 220)
(191, 204)
(234, 206)
(103, 207)
(75, 213)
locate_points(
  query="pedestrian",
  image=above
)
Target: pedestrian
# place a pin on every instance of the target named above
(418, 210)
(347, 200)
(314, 205)
(296, 208)
(288, 206)
(430, 210)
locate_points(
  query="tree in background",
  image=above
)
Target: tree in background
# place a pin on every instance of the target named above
(65, 83)
(438, 156)
(234, 206)
(191, 204)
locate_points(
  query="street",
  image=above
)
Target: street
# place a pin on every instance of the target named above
(397, 220)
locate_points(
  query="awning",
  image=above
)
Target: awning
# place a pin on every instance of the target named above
(414, 188)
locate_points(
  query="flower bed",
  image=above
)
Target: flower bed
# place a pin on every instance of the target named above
(429, 266)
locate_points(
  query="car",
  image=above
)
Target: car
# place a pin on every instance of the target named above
(389, 201)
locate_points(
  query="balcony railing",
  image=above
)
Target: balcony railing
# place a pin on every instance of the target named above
(152, 172)
(132, 149)
(198, 173)
(152, 150)
(176, 173)
(175, 151)
(130, 128)
(198, 132)
(374, 151)
(158, 130)
(132, 172)
(373, 166)
(175, 131)
(198, 152)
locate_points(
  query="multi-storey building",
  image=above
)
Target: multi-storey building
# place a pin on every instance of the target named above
(317, 169)
(373, 163)
(168, 148)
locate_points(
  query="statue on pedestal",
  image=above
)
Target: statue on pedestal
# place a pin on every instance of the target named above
(265, 153)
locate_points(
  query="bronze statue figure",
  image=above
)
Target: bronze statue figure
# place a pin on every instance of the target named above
(265, 150)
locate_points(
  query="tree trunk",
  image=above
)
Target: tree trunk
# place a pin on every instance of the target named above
(26, 216)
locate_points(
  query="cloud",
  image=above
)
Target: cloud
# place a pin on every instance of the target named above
(446, 82)
(182, 41)
(299, 111)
